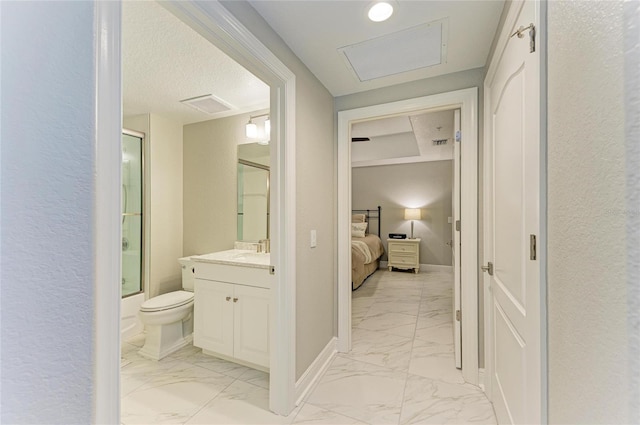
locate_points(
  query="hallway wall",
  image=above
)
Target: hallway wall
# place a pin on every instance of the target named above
(47, 197)
(587, 294)
(315, 195)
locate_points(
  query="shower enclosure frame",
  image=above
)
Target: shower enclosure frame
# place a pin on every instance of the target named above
(142, 214)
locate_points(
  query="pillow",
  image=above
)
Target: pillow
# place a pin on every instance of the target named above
(358, 218)
(358, 229)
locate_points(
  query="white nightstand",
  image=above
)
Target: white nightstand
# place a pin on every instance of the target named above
(404, 254)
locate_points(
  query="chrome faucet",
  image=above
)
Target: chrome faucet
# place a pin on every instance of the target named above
(264, 246)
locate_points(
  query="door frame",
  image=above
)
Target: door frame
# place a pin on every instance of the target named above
(467, 101)
(215, 23)
(501, 44)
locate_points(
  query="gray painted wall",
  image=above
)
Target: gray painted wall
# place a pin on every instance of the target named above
(47, 229)
(315, 196)
(632, 154)
(424, 185)
(587, 293)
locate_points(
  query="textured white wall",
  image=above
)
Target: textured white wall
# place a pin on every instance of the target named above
(424, 185)
(587, 293)
(48, 133)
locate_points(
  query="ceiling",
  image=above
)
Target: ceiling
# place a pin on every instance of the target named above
(318, 30)
(165, 61)
(403, 139)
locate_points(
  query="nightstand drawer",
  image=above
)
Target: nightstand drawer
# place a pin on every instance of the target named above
(400, 248)
(405, 259)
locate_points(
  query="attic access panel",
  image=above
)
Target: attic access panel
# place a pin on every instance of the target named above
(407, 50)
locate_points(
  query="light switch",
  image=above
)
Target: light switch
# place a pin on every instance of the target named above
(314, 239)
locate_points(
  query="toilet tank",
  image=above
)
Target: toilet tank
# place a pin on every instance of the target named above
(188, 276)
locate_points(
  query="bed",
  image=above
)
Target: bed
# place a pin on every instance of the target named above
(366, 246)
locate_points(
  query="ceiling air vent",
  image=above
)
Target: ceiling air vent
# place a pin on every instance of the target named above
(209, 104)
(439, 142)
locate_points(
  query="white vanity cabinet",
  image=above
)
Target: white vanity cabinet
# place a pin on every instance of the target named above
(232, 320)
(231, 313)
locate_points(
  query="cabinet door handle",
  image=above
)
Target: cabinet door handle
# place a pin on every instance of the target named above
(228, 298)
(235, 300)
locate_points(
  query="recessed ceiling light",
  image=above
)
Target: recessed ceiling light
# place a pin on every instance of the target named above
(380, 11)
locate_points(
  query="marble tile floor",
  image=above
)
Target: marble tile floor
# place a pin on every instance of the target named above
(400, 371)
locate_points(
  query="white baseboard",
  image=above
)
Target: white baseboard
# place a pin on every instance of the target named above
(436, 268)
(425, 267)
(315, 370)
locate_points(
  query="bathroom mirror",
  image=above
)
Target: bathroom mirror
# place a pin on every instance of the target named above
(253, 192)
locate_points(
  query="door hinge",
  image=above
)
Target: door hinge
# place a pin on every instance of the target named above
(532, 247)
(458, 315)
(532, 35)
(458, 136)
(458, 225)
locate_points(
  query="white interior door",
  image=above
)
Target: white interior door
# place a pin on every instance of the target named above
(513, 197)
(457, 324)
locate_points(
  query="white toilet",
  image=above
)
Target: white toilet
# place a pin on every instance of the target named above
(168, 318)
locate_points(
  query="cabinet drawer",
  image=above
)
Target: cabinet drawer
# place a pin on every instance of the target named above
(400, 259)
(402, 248)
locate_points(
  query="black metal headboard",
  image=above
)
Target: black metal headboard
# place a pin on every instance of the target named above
(371, 215)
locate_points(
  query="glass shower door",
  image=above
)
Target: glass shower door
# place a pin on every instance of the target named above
(132, 218)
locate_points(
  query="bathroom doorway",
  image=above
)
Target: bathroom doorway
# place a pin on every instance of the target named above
(217, 25)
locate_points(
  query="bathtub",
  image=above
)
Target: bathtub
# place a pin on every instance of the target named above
(130, 324)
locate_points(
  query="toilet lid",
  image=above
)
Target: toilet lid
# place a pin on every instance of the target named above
(167, 301)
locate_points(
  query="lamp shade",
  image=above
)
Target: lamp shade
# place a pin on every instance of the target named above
(412, 214)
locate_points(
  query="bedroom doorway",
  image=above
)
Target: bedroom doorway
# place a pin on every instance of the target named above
(407, 164)
(466, 102)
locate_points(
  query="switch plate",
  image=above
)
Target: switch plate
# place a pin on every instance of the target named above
(314, 239)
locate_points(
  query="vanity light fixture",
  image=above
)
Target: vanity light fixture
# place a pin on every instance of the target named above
(380, 11)
(251, 129)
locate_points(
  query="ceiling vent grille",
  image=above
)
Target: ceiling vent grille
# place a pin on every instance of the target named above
(209, 104)
(439, 142)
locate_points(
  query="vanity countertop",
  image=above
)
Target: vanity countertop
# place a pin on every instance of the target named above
(236, 257)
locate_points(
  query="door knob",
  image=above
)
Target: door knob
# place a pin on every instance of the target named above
(488, 268)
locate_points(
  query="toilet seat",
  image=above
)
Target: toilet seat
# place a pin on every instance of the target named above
(167, 301)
